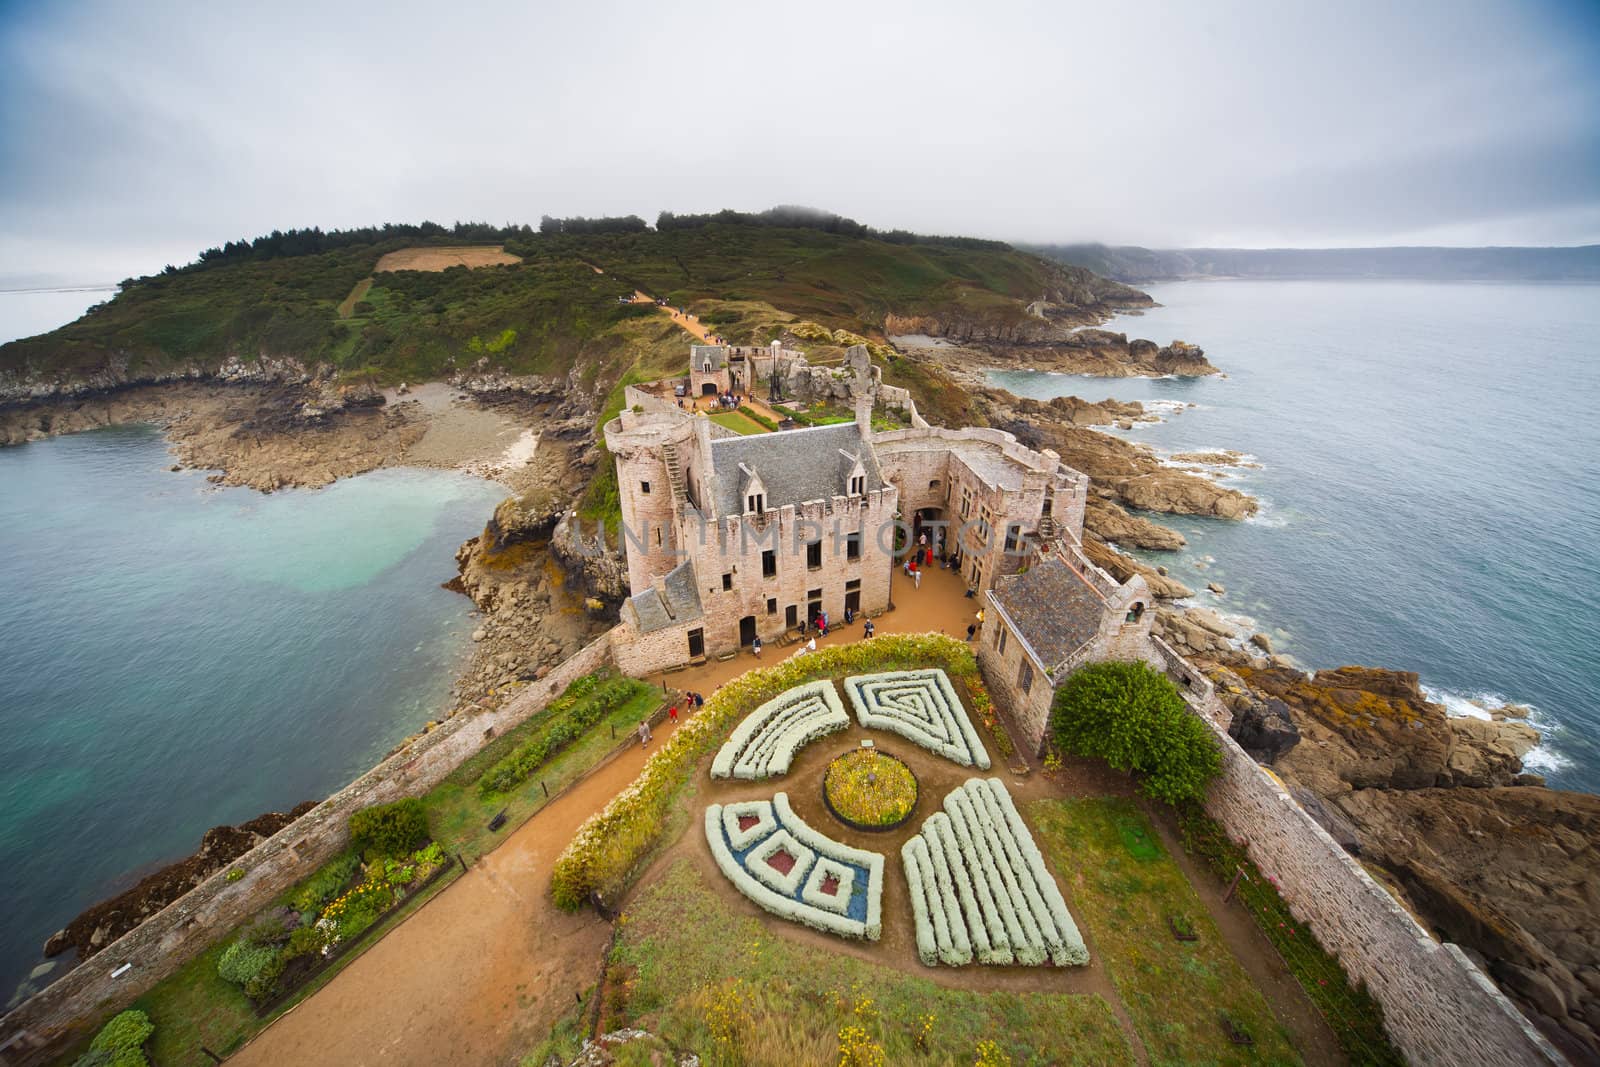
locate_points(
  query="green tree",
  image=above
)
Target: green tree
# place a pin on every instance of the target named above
(1133, 717)
(120, 1043)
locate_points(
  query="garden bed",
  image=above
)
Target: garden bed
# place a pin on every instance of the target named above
(869, 789)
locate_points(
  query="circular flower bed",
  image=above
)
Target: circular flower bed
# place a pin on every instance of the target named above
(869, 790)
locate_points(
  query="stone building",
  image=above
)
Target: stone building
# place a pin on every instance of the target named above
(709, 373)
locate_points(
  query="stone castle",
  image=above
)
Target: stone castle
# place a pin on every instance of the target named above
(731, 538)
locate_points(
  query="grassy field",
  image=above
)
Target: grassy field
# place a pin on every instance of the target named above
(686, 968)
(738, 423)
(195, 1007)
(1124, 887)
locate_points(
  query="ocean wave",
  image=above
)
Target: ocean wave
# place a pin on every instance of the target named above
(1544, 758)
(1267, 514)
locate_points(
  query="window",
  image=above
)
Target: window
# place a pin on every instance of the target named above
(1135, 612)
(858, 485)
(852, 585)
(985, 525)
(852, 546)
(933, 483)
(1025, 676)
(966, 502)
(727, 582)
(1000, 639)
(814, 555)
(658, 537)
(1012, 532)
(769, 563)
(755, 502)
(772, 605)
(644, 487)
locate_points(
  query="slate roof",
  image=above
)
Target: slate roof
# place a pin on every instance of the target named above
(1053, 609)
(683, 597)
(794, 465)
(698, 354)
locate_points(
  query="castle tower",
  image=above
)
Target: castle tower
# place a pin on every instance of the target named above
(651, 451)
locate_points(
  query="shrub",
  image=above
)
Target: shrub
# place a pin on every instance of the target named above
(567, 718)
(389, 829)
(325, 884)
(1132, 716)
(120, 1042)
(242, 961)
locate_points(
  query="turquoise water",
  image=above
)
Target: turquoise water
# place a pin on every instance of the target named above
(1430, 475)
(174, 656)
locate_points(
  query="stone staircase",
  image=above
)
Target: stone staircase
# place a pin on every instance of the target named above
(669, 452)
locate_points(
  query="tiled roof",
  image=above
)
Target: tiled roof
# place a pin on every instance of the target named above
(683, 600)
(698, 354)
(795, 465)
(1054, 609)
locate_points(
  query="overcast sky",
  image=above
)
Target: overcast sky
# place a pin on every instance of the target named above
(133, 134)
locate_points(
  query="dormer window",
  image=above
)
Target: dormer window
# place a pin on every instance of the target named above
(756, 502)
(706, 366)
(858, 485)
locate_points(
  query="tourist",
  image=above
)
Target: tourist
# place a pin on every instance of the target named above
(868, 630)
(699, 701)
(849, 615)
(811, 645)
(972, 628)
(755, 647)
(672, 712)
(644, 734)
(916, 578)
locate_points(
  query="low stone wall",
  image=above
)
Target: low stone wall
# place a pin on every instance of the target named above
(1439, 1007)
(191, 924)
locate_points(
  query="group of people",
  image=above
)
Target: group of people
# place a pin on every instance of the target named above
(691, 702)
(729, 401)
(819, 624)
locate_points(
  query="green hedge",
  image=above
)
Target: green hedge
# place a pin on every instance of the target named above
(389, 829)
(756, 417)
(584, 704)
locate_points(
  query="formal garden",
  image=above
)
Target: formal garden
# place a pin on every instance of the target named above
(791, 882)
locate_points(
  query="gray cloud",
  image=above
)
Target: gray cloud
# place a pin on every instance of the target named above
(131, 135)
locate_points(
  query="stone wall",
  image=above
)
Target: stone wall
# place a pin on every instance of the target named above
(191, 924)
(1002, 673)
(1439, 1007)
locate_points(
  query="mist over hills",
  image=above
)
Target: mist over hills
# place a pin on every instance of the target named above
(1133, 264)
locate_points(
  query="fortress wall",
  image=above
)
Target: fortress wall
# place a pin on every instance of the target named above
(1439, 1007)
(188, 926)
(634, 397)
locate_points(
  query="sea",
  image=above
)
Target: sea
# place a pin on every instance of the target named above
(1427, 458)
(175, 655)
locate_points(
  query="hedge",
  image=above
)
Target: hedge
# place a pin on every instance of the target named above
(120, 1042)
(765, 741)
(583, 705)
(609, 849)
(392, 829)
(922, 707)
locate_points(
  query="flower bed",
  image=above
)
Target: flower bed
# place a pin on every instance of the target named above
(922, 707)
(613, 845)
(869, 790)
(764, 743)
(980, 888)
(771, 856)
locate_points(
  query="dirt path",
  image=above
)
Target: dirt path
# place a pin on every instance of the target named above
(478, 974)
(688, 322)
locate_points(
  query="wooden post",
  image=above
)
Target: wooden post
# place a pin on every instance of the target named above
(545, 788)
(1238, 873)
(214, 1057)
(462, 862)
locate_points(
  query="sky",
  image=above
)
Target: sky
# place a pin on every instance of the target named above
(136, 134)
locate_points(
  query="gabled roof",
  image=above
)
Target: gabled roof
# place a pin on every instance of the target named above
(794, 465)
(681, 605)
(698, 354)
(1055, 610)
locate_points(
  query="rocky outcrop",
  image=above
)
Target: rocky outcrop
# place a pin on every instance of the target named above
(110, 919)
(1509, 871)
(1122, 567)
(594, 563)
(1111, 523)
(1263, 726)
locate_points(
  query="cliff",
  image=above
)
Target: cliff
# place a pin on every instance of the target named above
(1441, 810)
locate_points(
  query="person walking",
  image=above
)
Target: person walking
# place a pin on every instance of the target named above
(916, 579)
(699, 701)
(672, 712)
(868, 630)
(755, 647)
(972, 628)
(644, 734)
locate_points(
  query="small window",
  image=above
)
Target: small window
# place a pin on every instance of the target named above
(769, 563)
(756, 502)
(1025, 676)
(1135, 612)
(658, 537)
(933, 483)
(1012, 530)
(727, 582)
(852, 585)
(644, 487)
(852, 546)
(814, 555)
(1000, 639)
(858, 485)
(772, 605)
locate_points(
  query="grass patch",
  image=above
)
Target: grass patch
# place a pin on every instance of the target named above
(1174, 991)
(720, 984)
(738, 422)
(1355, 1018)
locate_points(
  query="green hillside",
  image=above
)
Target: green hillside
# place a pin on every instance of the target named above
(280, 296)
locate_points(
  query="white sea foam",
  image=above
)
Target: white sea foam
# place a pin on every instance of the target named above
(1543, 759)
